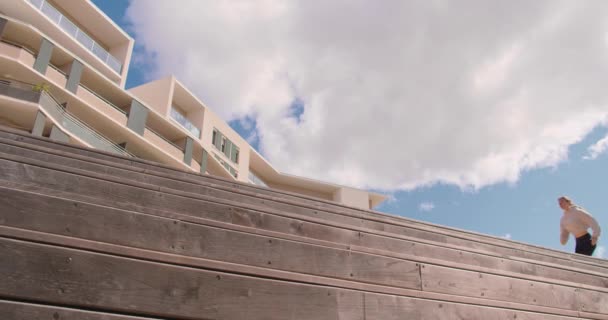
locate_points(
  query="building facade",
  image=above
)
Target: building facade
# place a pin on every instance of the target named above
(63, 68)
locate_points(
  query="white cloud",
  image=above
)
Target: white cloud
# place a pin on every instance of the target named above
(600, 252)
(396, 94)
(391, 198)
(596, 149)
(507, 236)
(426, 206)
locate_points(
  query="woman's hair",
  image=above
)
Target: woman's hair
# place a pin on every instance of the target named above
(564, 198)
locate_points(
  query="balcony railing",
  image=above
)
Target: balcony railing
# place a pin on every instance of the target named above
(165, 139)
(76, 127)
(256, 180)
(70, 28)
(104, 100)
(184, 122)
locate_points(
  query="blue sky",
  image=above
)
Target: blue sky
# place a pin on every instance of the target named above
(525, 210)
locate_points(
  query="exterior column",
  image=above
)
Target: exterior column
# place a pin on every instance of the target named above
(44, 56)
(39, 124)
(74, 76)
(188, 151)
(138, 114)
(204, 161)
(58, 135)
(3, 23)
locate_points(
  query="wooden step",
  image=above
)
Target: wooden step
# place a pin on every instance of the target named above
(57, 216)
(14, 310)
(259, 193)
(119, 175)
(49, 274)
(492, 263)
(103, 224)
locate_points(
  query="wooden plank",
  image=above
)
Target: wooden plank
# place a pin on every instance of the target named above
(474, 284)
(39, 212)
(226, 195)
(273, 274)
(517, 246)
(52, 215)
(593, 301)
(440, 237)
(398, 308)
(346, 299)
(82, 279)
(12, 310)
(340, 235)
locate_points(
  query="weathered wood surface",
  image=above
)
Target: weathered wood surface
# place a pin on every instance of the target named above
(72, 218)
(593, 301)
(52, 215)
(474, 284)
(12, 310)
(398, 308)
(48, 274)
(372, 222)
(417, 250)
(125, 195)
(450, 292)
(257, 190)
(168, 236)
(166, 258)
(81, 279)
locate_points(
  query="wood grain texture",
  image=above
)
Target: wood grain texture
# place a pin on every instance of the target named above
(274, 204)
(82, 279)
(262, 192)
(99, 247)
(337, 235)
(153, 200)
(52, 215)
(593, 301)
(476, 284)
(11, 310)
(50, 274)
(397, 308)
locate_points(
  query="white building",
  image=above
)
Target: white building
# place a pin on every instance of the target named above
(63, 67)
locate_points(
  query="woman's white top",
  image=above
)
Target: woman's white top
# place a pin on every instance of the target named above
(577, 221)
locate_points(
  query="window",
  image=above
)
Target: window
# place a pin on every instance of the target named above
(226, 166)
(223, 144)
(228, 148)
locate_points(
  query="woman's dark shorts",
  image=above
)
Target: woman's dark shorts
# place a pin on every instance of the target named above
(584, 246)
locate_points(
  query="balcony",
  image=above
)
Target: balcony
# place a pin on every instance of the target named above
(256, 180)
(76, 127)
(163, 143)
(59, 116)
(70, 28)
(184, 122)
(102, 105)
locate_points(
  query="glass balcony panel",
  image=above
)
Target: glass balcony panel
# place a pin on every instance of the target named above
(256, 180)
(78, 128)
(100, 52)
(184, 122)
(37, 3)
(84, 39)
(51, 12)
(70, 28)
(114, 63)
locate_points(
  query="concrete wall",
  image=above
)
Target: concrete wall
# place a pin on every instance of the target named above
(352, 197)
(155, 94)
